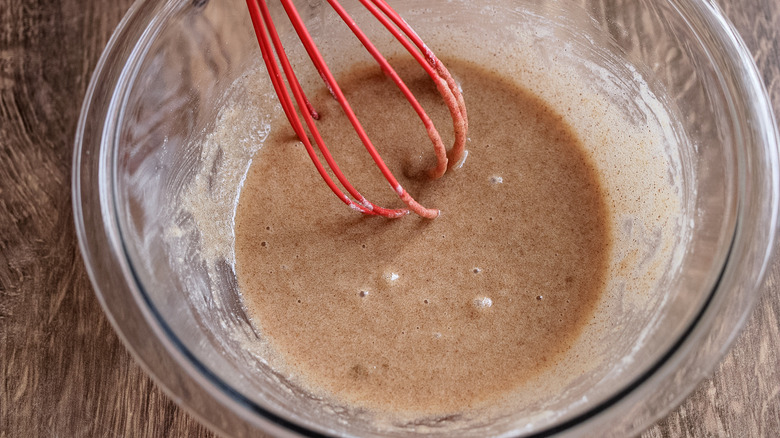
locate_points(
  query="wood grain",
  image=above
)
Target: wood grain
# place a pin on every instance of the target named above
(64, 371)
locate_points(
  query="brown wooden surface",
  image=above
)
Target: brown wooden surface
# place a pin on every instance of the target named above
(64, 371)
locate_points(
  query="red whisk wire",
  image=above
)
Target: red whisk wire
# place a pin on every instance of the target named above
(264, 28)
(433, 134)
(301, 99)
(258, 14)
(322, 68)
(460, 119)
(444, 81)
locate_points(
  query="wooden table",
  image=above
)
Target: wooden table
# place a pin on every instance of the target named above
(64, 371)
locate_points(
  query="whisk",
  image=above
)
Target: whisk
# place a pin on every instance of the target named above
(270, 43)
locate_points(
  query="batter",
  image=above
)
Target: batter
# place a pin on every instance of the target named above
(413, 315)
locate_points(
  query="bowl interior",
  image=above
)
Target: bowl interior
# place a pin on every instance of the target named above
(175, 189)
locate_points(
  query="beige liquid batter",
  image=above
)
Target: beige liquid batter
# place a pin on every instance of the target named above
(425, 316)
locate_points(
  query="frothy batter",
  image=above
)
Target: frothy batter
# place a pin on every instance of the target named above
(414, 315)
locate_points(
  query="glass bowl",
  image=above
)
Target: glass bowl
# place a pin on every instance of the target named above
(167, 72)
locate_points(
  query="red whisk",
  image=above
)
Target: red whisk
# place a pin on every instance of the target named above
(445, 84)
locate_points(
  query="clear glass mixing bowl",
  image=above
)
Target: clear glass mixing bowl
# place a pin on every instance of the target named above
(157, 91)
